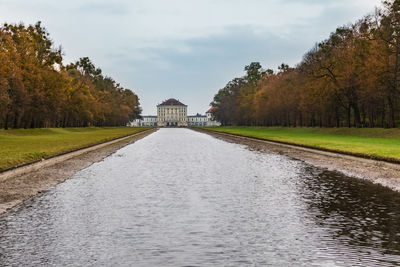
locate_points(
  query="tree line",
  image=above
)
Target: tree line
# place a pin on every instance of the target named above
(351, 79)
(38, 90)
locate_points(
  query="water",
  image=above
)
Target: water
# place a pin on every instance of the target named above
(182, 198)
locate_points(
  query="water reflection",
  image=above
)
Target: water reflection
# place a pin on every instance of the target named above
(353, 211)
(179, 197)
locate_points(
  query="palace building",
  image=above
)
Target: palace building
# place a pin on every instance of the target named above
(173, 113)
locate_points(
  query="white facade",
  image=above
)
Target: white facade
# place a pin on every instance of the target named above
(172, 113)
(197, 120)
(211, 122)
(145, 121)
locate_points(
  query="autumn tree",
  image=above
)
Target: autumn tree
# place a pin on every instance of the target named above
(351, 79)
(37, 90)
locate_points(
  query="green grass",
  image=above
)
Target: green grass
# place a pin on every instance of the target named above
(19, 146)
(374, 143)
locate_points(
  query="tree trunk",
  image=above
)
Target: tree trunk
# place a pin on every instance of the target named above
(357, 117)
(371, 120)
(6, 122)
(383, 116)
(16, 118)
(349, 116)
(337, 117)
(301, 119)
(392, 122)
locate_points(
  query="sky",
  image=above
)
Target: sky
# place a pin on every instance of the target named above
(184, 49)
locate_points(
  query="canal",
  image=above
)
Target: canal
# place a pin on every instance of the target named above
(183, 198)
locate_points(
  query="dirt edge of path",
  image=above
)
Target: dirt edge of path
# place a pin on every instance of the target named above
(375, 171)
(20, 187)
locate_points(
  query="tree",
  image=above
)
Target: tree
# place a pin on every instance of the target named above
(350, 79)
(37, 90)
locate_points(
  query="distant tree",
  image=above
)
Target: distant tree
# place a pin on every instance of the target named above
(254, 72)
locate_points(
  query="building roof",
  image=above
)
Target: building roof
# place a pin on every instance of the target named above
(172, 102)
(197, 115)
(211, 109)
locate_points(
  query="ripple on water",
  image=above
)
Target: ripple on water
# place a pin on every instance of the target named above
(178, 197)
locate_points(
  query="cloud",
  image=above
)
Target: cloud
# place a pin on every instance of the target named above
(206, 65)
(101, 8)
(185, 48)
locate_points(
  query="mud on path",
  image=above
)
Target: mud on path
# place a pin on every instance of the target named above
(17, 189)
(377, 172)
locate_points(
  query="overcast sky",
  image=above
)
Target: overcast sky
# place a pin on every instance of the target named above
(186, 49)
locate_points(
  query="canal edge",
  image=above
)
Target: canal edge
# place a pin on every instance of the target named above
(34, 166)
(381, 162)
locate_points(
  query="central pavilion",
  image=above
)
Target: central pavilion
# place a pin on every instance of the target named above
(172, 113)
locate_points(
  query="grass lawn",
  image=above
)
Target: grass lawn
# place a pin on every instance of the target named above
(374, 143)
(19, 146)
